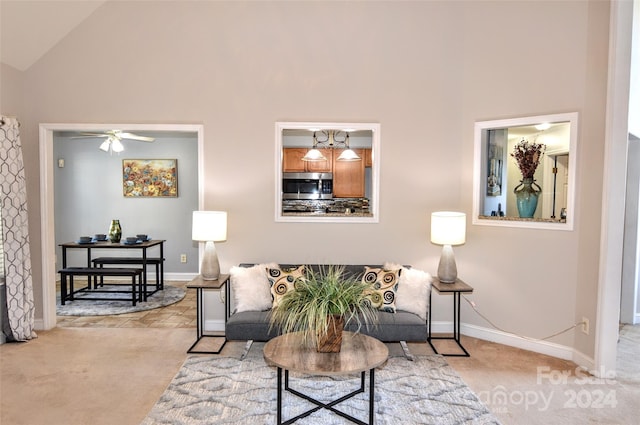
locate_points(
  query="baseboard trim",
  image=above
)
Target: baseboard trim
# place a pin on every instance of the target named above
(183, 277)
(537, 346)
(213, 325)
(38, 325)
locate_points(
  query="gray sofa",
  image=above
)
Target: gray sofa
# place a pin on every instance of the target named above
(391, 327)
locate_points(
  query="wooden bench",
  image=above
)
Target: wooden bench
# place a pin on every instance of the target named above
(89, 272)
(101, 261)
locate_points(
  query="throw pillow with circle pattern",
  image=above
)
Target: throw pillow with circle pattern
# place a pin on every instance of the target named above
(385, 285)
(283, 280)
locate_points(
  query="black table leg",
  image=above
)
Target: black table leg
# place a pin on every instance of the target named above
(279, 410)
(144, 273)
(329, 406)
(63, 289)
(200, 325)
(161, 266)
(371, 395)
(456, 329)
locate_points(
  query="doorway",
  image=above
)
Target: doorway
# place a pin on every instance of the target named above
(619, 99)
(629, 304)
(47, 195)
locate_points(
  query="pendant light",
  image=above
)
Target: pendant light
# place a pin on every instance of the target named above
(348, 154)
(314, 154)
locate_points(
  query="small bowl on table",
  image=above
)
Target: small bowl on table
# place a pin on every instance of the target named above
(85, 239)
(131, 239)
(142, 237)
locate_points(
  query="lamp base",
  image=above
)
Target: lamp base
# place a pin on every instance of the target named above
(210, 267)
(447, 270)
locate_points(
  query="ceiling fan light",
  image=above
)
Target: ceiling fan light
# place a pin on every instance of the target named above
(348, 155)
(105, 145)
(543, 126)
(314, 155)
(116, 146)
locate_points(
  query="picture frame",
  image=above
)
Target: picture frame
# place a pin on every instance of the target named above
(150, 178)
(495, 158)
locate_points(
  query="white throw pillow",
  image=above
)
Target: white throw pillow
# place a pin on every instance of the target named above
(251, 289)
(412, 294)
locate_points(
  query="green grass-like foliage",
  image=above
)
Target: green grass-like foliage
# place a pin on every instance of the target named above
(321, 294)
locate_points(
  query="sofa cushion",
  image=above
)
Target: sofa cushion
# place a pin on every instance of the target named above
(283, 280)
(252, 325)
(390, 327)
(393, 327)
(413, 290)
(251, 289)
(385, 284)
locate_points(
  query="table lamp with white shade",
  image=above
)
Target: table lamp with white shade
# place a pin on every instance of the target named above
(448, 228)
(209, 227)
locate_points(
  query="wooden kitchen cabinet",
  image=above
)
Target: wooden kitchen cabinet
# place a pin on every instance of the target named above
(368, 158)
(348, 176)
(292, 161)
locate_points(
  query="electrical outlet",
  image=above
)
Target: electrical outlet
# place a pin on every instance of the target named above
(585, 326)
(183, 258)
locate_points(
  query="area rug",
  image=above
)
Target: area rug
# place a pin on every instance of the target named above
(223, 390)
(79, 307)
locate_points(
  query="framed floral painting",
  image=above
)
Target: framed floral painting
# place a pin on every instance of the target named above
(150, 178)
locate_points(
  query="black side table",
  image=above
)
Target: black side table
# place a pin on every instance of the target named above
(199, 284)
(456, 288)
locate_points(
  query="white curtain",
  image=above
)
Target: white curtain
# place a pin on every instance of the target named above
(18, 308)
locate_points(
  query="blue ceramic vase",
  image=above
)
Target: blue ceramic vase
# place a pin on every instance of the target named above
(527, 193)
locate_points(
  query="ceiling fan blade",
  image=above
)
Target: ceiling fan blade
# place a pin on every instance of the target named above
(85, 135)
(135, 137)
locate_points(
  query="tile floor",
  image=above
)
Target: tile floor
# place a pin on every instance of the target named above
(179, 315)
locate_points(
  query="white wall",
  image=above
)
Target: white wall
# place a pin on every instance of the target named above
(426, 71)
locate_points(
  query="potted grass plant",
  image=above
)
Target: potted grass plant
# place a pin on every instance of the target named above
(321, 305)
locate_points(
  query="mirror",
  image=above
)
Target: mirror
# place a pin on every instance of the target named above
(506, 152)
(317, 181)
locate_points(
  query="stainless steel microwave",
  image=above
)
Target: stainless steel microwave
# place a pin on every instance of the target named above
(307, 185)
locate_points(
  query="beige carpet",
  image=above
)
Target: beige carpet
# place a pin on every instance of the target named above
(105, 376)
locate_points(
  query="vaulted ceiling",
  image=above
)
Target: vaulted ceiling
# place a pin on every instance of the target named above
(29, 29)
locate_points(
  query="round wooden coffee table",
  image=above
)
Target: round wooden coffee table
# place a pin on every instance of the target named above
(359, 353)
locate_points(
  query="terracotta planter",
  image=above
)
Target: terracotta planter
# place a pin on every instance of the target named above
(332, 341)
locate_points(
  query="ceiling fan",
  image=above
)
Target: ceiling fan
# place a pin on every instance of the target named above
(114, 139)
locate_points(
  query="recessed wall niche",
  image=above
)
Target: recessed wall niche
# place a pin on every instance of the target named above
(498, 175)
(330, 187)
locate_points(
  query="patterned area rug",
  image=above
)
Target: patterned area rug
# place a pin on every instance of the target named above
(78, 307)
(223, 390)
